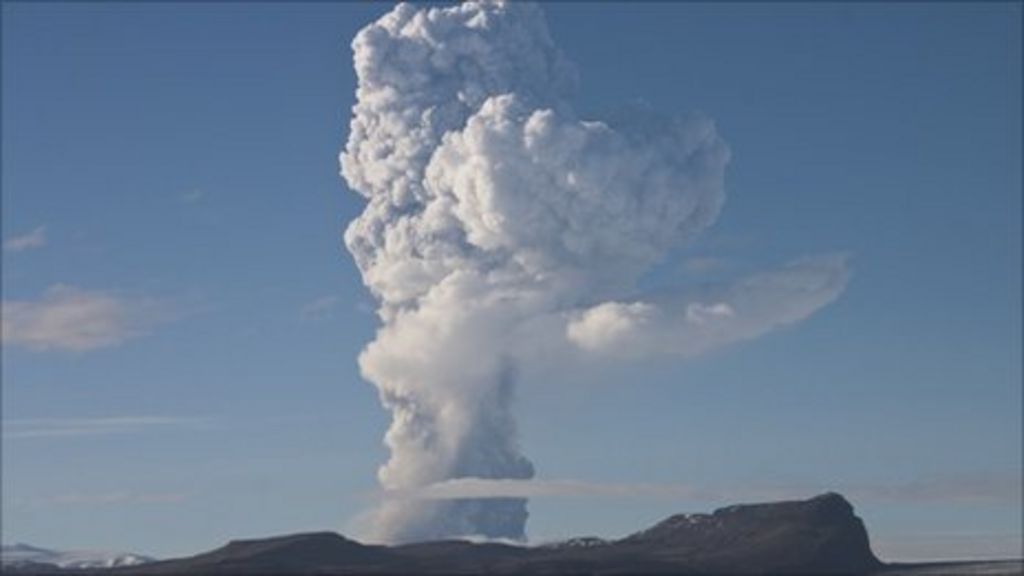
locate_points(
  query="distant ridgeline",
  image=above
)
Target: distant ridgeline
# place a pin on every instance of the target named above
(819, 536)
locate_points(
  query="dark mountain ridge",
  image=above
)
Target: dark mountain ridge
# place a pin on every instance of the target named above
(821, 536)
(816, 536)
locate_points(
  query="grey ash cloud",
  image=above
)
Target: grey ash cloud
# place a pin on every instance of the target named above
(498, 221)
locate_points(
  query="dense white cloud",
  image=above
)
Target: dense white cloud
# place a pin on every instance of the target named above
(579, 205)
(34, 239)
(610, 326)
(69, 318)
(498, 222)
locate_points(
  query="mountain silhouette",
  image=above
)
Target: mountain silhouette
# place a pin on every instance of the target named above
(816, 536)
(820, 536)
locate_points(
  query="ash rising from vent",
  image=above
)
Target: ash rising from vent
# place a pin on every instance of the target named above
(498, 222)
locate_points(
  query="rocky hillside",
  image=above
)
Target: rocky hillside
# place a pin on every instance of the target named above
(820, 536)
(817, 536)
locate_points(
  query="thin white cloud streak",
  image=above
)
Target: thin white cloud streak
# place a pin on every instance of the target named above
(115, 498)
(482, 488)
(75, 427)
(34, 239)
(512, 488)
(72, 319)
(995, 488)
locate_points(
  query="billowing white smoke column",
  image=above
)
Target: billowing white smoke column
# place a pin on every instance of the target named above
(493, 210)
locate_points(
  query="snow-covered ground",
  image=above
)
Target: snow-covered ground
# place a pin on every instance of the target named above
(981, 568)
(24, 554)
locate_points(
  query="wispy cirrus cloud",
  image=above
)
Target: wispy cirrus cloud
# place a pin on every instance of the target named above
(114, 498)
(74, 427)
(34, 239)
(70, 318)
(319, 309)
(193, 196)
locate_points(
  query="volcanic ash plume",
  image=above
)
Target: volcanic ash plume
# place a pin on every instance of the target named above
(492, 210)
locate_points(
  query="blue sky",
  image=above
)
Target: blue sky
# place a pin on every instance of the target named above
(174, 166)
